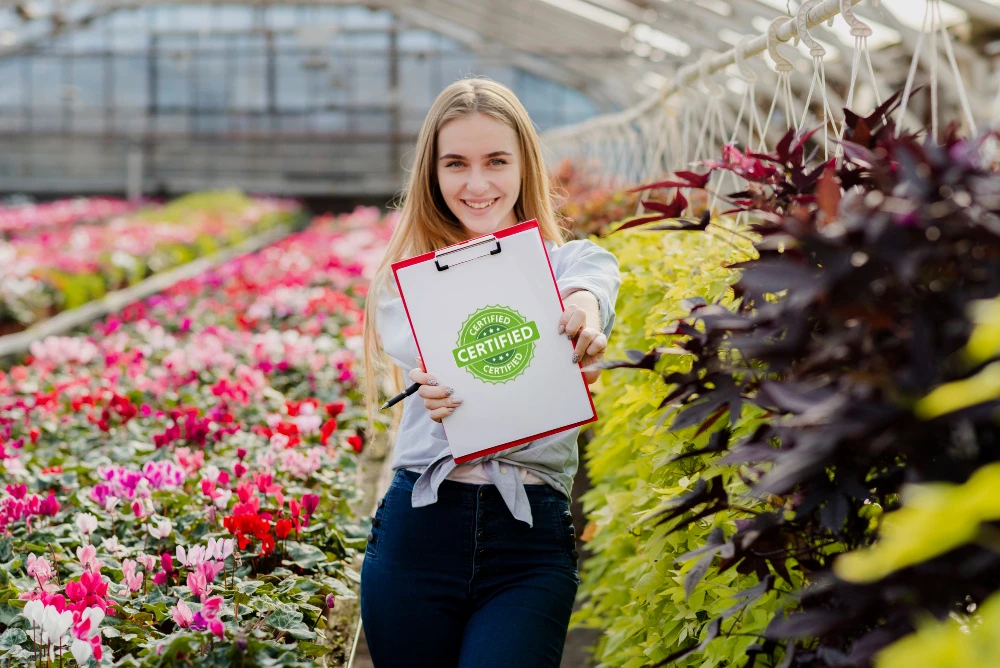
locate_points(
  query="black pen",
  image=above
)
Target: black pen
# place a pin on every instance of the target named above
(402, 395)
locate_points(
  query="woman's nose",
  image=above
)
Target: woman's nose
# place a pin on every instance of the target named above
(478, 183)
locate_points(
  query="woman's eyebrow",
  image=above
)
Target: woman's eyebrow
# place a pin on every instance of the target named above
(494, 154)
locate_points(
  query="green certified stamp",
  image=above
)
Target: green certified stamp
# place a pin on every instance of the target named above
(496, 344)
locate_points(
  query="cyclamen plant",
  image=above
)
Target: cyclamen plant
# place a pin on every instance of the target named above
(179, 483)
(857, 308)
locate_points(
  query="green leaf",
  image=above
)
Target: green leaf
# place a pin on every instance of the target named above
(304, 555)
(12, 637)
(290, 622)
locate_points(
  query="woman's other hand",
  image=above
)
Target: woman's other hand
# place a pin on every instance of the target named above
(590, 342)
(437, 398)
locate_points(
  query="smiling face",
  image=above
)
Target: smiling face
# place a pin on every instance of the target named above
(479, 172)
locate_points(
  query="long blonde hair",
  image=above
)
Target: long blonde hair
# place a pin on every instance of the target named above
(426, 223)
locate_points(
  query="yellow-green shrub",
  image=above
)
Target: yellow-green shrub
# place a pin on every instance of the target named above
(632, 586)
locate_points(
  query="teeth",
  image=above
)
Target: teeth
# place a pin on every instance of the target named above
(482, 205)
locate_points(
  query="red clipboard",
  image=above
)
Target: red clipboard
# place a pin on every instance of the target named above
(435, 266)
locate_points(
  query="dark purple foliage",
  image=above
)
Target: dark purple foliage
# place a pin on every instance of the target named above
(870, 265)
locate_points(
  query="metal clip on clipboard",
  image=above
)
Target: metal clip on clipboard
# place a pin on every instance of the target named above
(481, 248)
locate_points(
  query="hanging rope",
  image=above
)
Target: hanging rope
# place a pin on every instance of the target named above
(707, 136)
(749, 94)
(934, 26)
(818, 53)
(861, 32)
(784, 68)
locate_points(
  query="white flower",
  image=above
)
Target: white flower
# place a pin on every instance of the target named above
(193, 557)
(34, 610)
(86, 523)
(82, 651)
(55, 624)
(112, 546)
(162, 530)
(111, 503)
(222, 500)
(219, 549)
(95, 615)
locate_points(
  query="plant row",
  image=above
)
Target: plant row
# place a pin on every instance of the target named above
(801, 468)
(62, 267)
(178, 483)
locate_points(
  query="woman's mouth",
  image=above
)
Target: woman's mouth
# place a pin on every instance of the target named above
(480, 206)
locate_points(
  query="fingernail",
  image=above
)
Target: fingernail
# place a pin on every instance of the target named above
(450, 411)
(576, 358)
(433, 382)
(448, 391)
(562, 329)
(457, 401)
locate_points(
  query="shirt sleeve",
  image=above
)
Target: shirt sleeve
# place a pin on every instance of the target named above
(583, 265)
(394, 330)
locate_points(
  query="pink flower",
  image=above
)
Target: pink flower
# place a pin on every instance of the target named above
(198, 583)
(181, 614)
(87, 554)
(40, 569)
(309, 504)
(209, 569)
(208, 616)
(131, 579)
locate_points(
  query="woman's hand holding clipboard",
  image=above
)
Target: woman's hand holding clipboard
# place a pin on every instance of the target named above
(439, 400)
(503, 340)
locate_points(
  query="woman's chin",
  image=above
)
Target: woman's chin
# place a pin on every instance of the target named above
(477, 227)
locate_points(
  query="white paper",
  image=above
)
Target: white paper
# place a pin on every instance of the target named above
(550, 393)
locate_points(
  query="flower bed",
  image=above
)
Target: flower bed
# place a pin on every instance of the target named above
(65, 267)
(30, 218)
(178, 483)
(590, 208)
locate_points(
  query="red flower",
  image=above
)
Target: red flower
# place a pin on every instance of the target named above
(335, 408)
(327, 430)
(355, 442)
(283, 528)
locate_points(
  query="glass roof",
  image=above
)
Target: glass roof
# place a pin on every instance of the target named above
(616, 51)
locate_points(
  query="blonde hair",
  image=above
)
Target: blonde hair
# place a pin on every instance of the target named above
(426, 223)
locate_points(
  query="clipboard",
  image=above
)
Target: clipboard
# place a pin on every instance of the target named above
(484, 314)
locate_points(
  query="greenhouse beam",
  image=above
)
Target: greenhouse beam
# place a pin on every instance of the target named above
(691, 73)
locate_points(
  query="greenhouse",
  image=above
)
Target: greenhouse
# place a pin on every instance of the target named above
(580, 333)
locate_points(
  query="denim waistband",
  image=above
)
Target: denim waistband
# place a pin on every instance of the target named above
(467, 491)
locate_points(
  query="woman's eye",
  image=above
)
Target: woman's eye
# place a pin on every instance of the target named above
(452, 164)
(500, 160)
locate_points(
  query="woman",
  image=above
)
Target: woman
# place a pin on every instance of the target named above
(474, 565)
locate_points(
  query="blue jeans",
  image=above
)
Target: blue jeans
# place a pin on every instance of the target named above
(462, 583)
